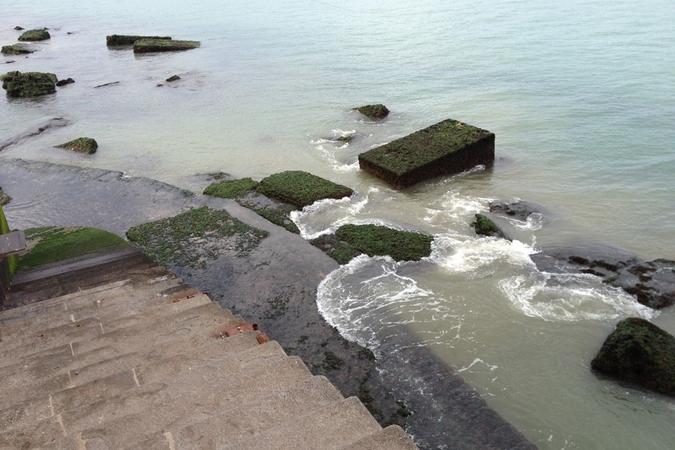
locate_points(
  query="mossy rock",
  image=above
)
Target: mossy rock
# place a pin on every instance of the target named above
(81, 145)
(4, 198)
(484, 226)
(196, 236)
(639, 352)
(35, 35)
(375, 112)
(377, 240)
(17, 49)
(163, 45)
(301, 188)
(278, 216)
(231, 188)
(125, 40)
(28, 84)
(444, 148)
(340, 251)
(52, 244)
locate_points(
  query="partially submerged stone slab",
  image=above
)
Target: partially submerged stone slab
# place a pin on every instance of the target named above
(35, 35)
(121, 40)
(639, 352)
(375, 112)
(301, 188)
(81, 145)
(28, 84)
(17, 49)
(444, 148)
(163, 45)
(485, 226)
(231, 188)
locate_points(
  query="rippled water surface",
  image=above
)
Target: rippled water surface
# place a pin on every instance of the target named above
(579, 94)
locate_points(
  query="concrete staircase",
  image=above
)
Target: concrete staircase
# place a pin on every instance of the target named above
(139, 360)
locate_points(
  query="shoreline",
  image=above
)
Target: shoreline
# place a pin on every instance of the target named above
(274, 288)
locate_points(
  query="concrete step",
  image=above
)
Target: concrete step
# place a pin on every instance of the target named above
(391, 438)
(260, 410)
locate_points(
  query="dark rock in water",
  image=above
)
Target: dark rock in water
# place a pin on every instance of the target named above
(445, 148)
(172, 78)
(519, 210)
(28, 84)
(65, 82)
(4, 198)
(486, 227)
(81, 145)
(17, 49)
(35, 35)
(19, 28)
(10, 62)
(121, 40)
(375, 112)
(112, 83)
(163, 45)
(641, 353)
(34, 130)
(301, 188)
(651, 282)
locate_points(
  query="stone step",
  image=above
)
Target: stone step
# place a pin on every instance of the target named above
(245, 414)
(391, 438)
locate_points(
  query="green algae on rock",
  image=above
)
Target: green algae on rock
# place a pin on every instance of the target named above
(17, 49)
(231, 188)
(163, 45)
(35, 35)
(639, 352)
(375, 112)
(28, 84)
(484, 226)
(81, 145)
(340, 251)
(51, 244)
(444, 148)
(4, 198)
(195, 236)
(122, 40)
(301, 188)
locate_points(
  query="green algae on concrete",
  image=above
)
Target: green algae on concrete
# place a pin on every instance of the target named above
(16, 49)
(444, 148)
(301, 188)
(639, 352)
(486, 227)
(340, 251)
(195, 236)
(28, 84)
(51, 244)
(163, 45)
(121, 40)
(278, 216)
(81, 145)
(4, 198)
(375, 112)
(231, 188)
(12, 260)
(35, 35)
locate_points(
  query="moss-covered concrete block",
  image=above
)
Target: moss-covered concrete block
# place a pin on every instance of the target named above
(301, 188)
(445, 148)
(231, 188)
(641, 353)
(4, 198)
(28, 84)
(375, 112)
(163, 45)
(484, 226)
(35, 35)
(17, 49)
(122, 40)
(81, 145)
(339, 250)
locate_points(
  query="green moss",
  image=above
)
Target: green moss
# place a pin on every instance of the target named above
(16, 49)
(486, 227)
(52, 244)
(35, 35)
(163, 45)
(639, 352)
(278, 217)
(378, 111)
(28, 84)
(375, 240)
(12, 260)
(4, 198)
(340, 251)
(118, 40)
(195, 236)
(301, 188)
(81, 145)
(231, 188)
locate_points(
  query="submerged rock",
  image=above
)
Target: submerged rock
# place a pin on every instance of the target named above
(81, 145)
(519, 210)
(163, 45)
(28, 84)
(35, 35)
(445, 148)
(17, 49)
(19, 28)
(231, 188)
(301, 188)
(486, 227)
(172, 78)
(34, 130)
(121, 40)
(375, 112)
(641, 353)
(65, 82)
(4, 198)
